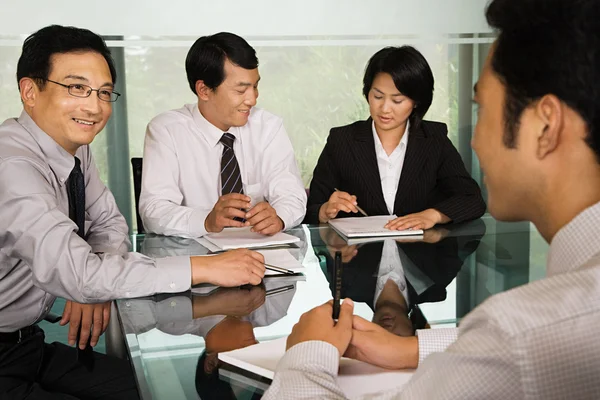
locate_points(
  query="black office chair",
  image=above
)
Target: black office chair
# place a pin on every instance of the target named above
(136, 166)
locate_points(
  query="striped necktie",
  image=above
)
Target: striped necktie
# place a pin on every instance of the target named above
(231, 178)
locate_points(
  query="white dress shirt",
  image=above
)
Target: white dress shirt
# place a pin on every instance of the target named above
(182, 166)
(390, 167)
(390, 267)
(41, 254)
(538, 341)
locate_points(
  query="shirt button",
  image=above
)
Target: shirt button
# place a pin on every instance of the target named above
(46, 309)
(172, 285)
(128, 304)
(173, 303)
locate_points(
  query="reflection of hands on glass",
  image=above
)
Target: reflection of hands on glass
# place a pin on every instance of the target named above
(375, 345)
(335, 243)
(422, 220)
(236, 302)
(433, 235)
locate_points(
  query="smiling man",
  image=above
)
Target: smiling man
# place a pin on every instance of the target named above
(221, 162)
(61, 233)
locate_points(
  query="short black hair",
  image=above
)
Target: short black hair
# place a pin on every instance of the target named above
(39, 47)
(548, 47)
(411, 75)
(206, 59)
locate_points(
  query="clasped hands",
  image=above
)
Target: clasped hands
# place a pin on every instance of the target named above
(355, 337)
(262, 217)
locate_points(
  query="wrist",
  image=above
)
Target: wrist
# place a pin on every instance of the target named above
(200, 270)
(407, 351)
(322, 216)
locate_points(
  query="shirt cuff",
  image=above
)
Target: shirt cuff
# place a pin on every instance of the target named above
(314, 356)
(174, 274)
(196, 223)
(435, 340)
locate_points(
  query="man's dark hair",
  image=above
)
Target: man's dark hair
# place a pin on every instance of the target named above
(39, 47)
(206, 59)
(548, 47)
(411, 74)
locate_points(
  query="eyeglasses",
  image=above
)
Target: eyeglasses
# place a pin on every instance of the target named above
(80, 90)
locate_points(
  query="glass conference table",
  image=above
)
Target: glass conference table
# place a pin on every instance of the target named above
(173, 339)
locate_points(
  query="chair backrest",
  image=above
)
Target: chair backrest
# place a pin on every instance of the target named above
(136, 166)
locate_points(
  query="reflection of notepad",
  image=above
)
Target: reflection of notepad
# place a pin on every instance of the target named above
(368, 226)
(237, 238)
(355, 378)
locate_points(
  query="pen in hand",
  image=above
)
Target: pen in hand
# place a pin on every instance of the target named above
(357, 207)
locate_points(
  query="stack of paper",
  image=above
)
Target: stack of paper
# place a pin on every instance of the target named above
(368, 227)
(355, 378)
(240, 238)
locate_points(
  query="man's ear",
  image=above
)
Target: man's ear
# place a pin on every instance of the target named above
(549, 111)
(202, 90)
(28, 90)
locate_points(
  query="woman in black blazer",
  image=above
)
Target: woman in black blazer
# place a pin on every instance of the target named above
(413, 161)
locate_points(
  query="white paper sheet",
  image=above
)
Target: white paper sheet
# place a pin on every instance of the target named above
(368, 227)
(236, 238)
(355, 377)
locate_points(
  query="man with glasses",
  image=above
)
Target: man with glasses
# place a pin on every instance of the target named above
(62, 234)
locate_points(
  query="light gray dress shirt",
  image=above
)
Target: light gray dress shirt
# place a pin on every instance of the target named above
(538, 341)
(182, 170)
(41, 255)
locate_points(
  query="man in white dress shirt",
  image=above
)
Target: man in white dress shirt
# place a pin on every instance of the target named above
(220, 162)
(538, 141)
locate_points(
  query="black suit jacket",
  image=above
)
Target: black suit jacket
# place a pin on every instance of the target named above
(433, 175)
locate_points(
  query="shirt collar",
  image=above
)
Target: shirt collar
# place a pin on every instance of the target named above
(575, 243)
(211, 133)
(61, 162)
(379, 146)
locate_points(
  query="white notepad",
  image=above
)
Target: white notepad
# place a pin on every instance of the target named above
(355, 378)
(368, 227)
(237, 238)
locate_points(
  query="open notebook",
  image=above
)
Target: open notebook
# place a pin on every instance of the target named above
(356, 227)
(237, 238)
(355, 377)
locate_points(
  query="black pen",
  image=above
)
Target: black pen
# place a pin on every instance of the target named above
(337, 284)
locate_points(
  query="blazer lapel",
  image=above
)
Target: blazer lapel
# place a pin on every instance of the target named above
(366, 164)
(416, 152)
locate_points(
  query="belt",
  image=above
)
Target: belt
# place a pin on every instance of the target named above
(19, 335)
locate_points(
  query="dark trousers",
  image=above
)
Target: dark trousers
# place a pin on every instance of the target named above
(33, 369)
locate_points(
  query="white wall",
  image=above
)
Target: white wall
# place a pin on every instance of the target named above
(258, 18)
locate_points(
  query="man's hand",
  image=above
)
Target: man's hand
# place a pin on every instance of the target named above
(373, 344)
(90, 317)
(338, 201)
(263, 219)
(318, 324)
(233, 268)
(421, 220)
(225, 210)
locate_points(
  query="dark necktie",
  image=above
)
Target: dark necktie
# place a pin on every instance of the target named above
(231, 178)
(76, 194)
